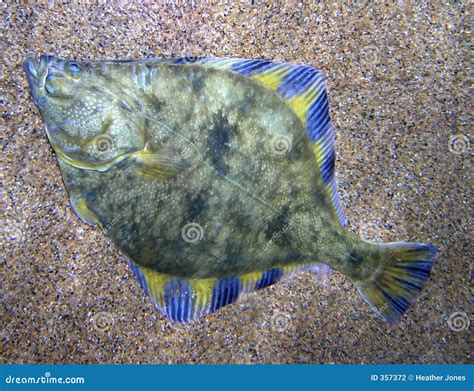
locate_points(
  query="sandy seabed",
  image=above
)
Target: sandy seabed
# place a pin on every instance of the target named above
(398, 85)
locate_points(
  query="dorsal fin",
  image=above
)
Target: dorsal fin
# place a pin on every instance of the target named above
(303, 88)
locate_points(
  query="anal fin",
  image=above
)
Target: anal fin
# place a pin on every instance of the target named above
(185, 300)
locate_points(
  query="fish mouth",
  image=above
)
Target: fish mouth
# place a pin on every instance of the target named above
(36, 71)
(41, 73)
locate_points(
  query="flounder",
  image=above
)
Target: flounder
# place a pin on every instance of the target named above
(214, 177)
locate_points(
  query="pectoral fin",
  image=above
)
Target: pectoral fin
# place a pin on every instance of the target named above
(158, 165)
(82, 210)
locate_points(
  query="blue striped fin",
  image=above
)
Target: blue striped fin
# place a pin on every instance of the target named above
(248, 67)
(298, 80)
(225, 291)
(178, 300)
(138, 274)
(185, 300)
(269, 277)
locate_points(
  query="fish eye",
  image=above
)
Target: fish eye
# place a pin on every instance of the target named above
(73, 67)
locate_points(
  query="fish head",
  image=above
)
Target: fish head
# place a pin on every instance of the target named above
(52, 78)
(83, 121)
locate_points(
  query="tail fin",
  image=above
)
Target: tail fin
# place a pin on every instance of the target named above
(395, 285)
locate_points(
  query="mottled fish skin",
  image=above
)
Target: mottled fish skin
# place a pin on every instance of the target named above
(238, 188)
(182, 166)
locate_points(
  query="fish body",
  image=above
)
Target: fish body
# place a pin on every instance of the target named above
(215, 177)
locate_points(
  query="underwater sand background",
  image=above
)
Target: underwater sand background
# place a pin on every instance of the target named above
(398, 85)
